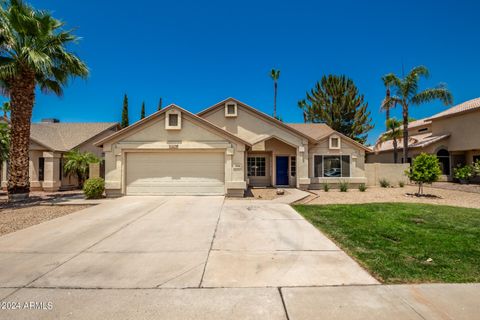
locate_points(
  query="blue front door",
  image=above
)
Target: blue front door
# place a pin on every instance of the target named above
(282, 171)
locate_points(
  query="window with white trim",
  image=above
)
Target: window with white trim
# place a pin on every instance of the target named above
(173, 120)
(256, 166)
(326, 166)
(230, 109)
(334, 142)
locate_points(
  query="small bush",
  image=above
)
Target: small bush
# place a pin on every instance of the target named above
(425, 169)
(384, 183)
(401, 184)
(343, 186)
(326, 187)
(362, 187)
(94, 188)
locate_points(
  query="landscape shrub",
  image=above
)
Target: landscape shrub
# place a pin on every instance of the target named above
(362, 187)
(326, 187)
(464, 174)
(384, 183)
(343, 186)
(94, 188)
(425, 169)
(401, 184)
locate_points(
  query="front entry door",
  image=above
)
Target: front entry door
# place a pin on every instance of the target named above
(282, 171)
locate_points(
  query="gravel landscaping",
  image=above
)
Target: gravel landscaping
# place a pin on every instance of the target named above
(21, 217)
(378, 194)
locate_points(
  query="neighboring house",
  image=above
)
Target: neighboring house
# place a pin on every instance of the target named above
(453, 135)
(49, 140)
(223, 150)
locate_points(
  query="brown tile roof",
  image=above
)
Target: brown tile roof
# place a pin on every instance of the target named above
(65, 136)
(313, 130)
(418, 123)
(416, 141)
(462, 107)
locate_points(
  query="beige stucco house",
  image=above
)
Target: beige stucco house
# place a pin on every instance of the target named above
(223, 150)
(49, 140)
(453, 135)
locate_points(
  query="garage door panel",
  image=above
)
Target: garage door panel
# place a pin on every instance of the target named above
(175, 173)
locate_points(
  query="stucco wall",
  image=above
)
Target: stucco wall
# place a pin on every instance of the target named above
(392, 172)
(357, 162)
(152, 136)
(464, 130)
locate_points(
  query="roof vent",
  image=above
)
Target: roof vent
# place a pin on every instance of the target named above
(50, 120)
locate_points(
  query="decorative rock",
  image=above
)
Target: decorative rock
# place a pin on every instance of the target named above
(280, 192)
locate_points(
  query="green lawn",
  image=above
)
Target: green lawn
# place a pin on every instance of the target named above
(395, 241)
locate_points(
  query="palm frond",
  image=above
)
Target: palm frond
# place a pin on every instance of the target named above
(440, 93)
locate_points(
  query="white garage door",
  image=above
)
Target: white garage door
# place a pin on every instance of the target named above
(175, 173)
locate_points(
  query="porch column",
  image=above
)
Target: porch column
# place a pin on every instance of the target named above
(303, 179)
(4, 175)
(51, 180)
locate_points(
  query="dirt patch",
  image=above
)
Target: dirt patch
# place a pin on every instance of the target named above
(262, 193)
(21, 217)
(377, 194)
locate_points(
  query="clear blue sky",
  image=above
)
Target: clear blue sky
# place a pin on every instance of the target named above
(196, 53)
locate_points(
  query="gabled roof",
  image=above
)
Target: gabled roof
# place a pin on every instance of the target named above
(161, 112)
(466, 106)
(257, 112)
(65, 136)
(416, 141)
(320, 131)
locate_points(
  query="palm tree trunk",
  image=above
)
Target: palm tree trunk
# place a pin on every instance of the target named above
(275, 100)
(395, 152)
(22, 95)
(405, 133)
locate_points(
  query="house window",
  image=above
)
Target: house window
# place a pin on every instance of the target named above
(334, 142)
(293, 166)
(231, 109)
(173, 120)
(444, 161)
(331, 166)
(41, 169)
(256, 166)
(60, 168)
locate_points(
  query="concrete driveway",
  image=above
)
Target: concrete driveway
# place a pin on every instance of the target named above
(170, 257)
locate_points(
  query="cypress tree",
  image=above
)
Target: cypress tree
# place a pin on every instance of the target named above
(160, 104)
(336, 101)
(125, 123)
(142, 112)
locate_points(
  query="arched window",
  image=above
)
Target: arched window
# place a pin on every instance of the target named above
(444, 159)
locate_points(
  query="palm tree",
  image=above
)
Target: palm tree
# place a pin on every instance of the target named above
(394, 132)
(387, 104)
(33, 52)
(407, 93)
(302, 104)
(77, 163)
(275, 74)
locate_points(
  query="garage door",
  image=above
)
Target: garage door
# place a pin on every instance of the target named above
(175, 173)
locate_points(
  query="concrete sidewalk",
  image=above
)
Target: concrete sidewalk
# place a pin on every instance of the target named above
(399, 302)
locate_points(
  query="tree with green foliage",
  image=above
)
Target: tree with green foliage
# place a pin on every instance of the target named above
(125, 123)
(34, 52)
(6, 108)
(275, 75)
(160, 104)
(407, 93)
(394, 133)
(142, 111)
(387, 104)
(425, 169)
(77, 163)
(336, 101)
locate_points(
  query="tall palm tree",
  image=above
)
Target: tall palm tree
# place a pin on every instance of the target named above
(387, 104)
(275, 75)
(302, 104)
(33, 52)
(394, 133)
(407, 93)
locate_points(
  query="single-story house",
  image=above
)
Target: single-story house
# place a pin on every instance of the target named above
(223, 150)
(453, 135)
(49, 140)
